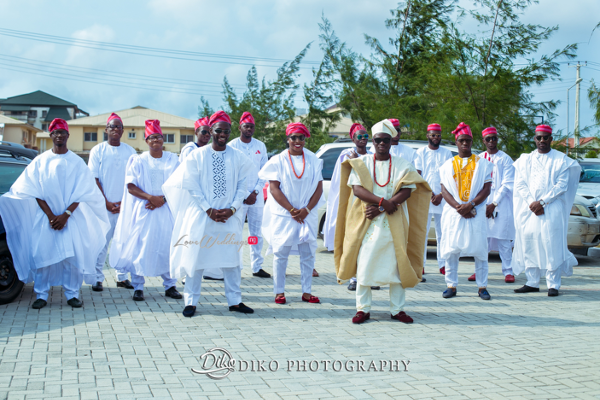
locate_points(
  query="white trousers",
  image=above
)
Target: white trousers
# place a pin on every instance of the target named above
(255, 216)
(280, 262)
(64, 273)
(481, 271)
(438, 235)
(505, 250)
(553, 278)
(138, 281)
(112, 218)
(232, 280)
(397, 298)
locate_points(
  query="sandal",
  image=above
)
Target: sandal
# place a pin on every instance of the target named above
(312, 299)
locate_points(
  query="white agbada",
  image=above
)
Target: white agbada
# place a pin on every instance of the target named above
(503, 175)
(186, 150)
(108, 164)
(279, 229)
(466, 237)
(256, 151)
(60, 180)
(207, 179)
(333, 199)
(142, 236)
(429, 162)
(541, 241)
(376, 263)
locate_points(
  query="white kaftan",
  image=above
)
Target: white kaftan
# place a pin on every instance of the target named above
(279, 228)
(60, 180)
(207, 179)
(141, 240)
(462, 236)
(377, 264)
(108, 164)
(333, 199)
(429, 162)
(186, 150)
(541, 241)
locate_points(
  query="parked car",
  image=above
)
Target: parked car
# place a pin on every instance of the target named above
(584, 226)
(15, 150)
(589, 182)
(10, 285)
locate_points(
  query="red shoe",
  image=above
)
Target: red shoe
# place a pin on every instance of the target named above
(423, 270)
(280, 300)
(472, 278)
(509, 278)
(443, 270)
(403, 317)
(315, 273)
(312, 299)
(360, 317)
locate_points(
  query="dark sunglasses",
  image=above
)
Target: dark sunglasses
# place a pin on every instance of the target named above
(218, 131)
(543, 138)
(361, 137)
(491, 138)
(384, 140)
(204, 132)
(435, 135)
(300, 138)
(114, 126)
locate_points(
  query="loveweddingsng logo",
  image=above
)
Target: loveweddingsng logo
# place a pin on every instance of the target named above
(218, 363)
(209, 241)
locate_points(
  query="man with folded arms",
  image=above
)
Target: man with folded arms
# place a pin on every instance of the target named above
(466, 180)
(254, 203)
(545, 186)
(55, 221)
(108, 162)
(205, 195)
(374, 241)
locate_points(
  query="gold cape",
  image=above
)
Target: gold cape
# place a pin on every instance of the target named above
(352, 225)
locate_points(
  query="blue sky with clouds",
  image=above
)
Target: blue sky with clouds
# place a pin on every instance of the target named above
(252, 28)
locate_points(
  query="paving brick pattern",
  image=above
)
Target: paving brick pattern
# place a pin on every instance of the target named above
(514, 346)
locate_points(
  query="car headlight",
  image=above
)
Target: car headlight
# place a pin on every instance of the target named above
(580, 211)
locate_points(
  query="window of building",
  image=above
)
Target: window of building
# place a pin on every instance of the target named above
(105, 137)
(132, 135)
(44, 113)
(90, 136)
(169, 138)
(186, 138)
(45, 127)
(32, 114)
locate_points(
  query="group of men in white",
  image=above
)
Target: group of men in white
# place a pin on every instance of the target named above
(183, 217)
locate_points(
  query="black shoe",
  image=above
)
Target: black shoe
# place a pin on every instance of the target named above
(125, 284)
(527, 289)
(484, 294)
(39, 303)
(375, 287)
(242, 308)
(138, 295)
(262, 273)
(212, 279)
(189, 311)
(423, 279)
(97, 287)
(448, 293)
(173, 293)
(75, 302)
(552, 292)
(352, 286)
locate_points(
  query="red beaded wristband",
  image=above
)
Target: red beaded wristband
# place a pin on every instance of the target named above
(380, 201)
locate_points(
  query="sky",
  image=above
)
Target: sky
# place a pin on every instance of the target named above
(263, 33)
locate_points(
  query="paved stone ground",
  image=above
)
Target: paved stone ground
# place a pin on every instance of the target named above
(514, 346)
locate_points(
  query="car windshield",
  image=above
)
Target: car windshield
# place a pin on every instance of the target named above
(590, 172)
(9, 173)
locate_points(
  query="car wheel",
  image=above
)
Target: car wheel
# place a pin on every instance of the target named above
(10, 285)
(321, 225)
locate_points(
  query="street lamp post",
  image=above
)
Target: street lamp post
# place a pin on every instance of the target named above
(576, 82)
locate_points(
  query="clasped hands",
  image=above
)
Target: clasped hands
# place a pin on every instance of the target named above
(465, 210)
(221, 215)
(372, 210)
(536, 208)
(155, 202)
(58, 222)
(115, 207)
(299, 215)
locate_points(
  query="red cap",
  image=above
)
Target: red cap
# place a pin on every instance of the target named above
(58, 123)
(113, 116)
(247, 118)
(543, 128)
(152, 127)
(355, 128)
(434, 127)
(394, 122)
(489, 131)
(462, 129)
(297, 127)
(201, 122)
(219, 116)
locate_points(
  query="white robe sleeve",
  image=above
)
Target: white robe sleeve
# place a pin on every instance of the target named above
(260, 183)
(560, 187)
(508, 181)
(94, 162)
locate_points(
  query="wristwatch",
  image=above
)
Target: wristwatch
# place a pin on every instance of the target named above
(473, 204)
(68, 212)
(381, 209)
(233, 210)
(164, 199)
(495, 204)
(542, 203)
(474, 211)
(255, 191)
